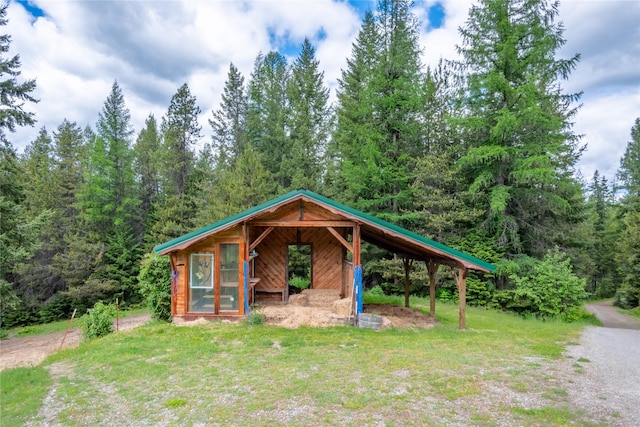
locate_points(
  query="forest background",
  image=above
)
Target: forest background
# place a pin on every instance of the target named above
(478, 153)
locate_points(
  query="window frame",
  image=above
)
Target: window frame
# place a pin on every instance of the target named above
(212, 259)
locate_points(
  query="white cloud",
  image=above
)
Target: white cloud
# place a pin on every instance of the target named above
(152, 47)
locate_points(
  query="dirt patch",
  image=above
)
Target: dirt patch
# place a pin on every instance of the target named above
(401, 317)
(31, 351)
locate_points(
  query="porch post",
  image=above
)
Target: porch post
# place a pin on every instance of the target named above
(432, 268)
(461, 280)
(245, 265)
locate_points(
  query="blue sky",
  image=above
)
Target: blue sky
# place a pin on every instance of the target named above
(76, 49)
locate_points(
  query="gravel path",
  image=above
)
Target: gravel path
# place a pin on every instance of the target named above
(609, 316)
(606, 367)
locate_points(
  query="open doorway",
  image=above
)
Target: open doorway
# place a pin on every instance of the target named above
(299, 263)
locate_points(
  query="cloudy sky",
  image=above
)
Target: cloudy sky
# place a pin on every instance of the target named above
(76, 49)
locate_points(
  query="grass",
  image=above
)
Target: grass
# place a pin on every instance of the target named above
(264, 375)
(61, 326)
(634, 312)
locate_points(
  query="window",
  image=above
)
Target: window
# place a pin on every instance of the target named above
(201, 283)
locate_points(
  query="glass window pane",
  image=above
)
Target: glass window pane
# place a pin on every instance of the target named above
(229, 274)
(201, 283)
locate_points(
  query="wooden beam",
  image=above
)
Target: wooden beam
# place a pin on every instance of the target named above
(432, 268)
(356, 244)
(296, 223)
(340, 239)
(260, 238)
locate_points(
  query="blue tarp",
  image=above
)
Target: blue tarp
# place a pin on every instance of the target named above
(357, 279)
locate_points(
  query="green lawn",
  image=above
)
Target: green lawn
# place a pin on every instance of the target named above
(235, 374)
(61, 326)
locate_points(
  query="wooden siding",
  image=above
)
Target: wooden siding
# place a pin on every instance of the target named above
(347, 278)
(271, 264)
(208, 245)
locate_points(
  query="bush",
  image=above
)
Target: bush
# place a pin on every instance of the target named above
(60, 306)
(626, 297)
(254, 319)
(376, 290)
(478, 291)
(99, 320)
(549, 290)
(299, 282)
(155, 285)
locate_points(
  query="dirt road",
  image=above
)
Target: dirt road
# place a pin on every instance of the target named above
(31, 351)
(610, 318)
(601, 373)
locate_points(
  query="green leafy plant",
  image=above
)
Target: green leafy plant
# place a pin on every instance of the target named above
(299, 282)
(155, 285)
(550, 289)
(99, 320)
(255, 319)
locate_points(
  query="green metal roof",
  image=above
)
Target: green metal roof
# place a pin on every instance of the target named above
(354, 213)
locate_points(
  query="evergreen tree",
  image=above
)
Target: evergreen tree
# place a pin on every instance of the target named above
(628, 220)
(380, 105)
(521, 147)
(229, 121)
(307, 122)
(13, 94)
(52, 179)
(174, 213)
(629, 172)
(601, 278)
(266, 116)
(147, 163)
(354, 115)
(20, 236)
(180, 130)
(109, 194)
(247, 184)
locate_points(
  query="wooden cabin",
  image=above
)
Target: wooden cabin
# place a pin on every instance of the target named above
(221, 269)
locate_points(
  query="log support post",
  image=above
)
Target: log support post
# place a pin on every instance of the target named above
(461, 282)
(407, 263)
(432, 268)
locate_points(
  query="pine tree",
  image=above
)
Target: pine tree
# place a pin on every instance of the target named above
(628, 219)
(518, 124)
(307, 121)
(175, 210)
(109, 194)
(229, 121)
(147, 163)
(629, 172)
(13, 94)
(354, 115)
(266, 117)
(379, 131)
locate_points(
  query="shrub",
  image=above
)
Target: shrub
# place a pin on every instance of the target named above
(478, 291)
(99, 320)
(299, 282)
(60, 306)
(155, 285)
(626, 297)
(254, 319)
(550, 289)
(376, 290)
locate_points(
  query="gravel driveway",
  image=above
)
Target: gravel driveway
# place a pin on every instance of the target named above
(606, 366)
